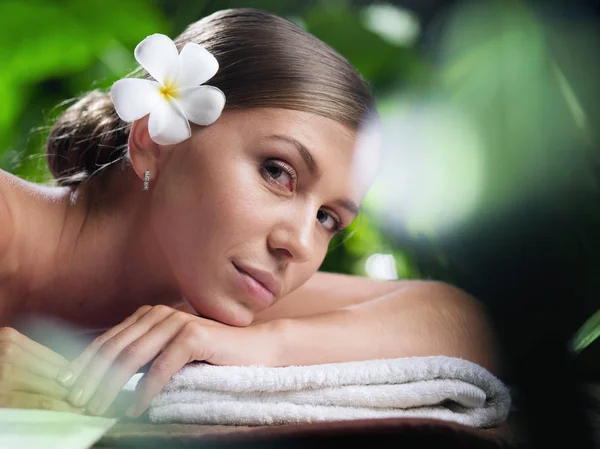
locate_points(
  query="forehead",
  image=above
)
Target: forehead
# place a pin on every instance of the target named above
(330, 143)
(330, 135)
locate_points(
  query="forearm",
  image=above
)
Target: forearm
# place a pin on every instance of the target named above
(420, 319)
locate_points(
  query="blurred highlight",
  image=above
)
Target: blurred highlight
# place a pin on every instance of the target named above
(397, 25)
(381, 266)
(499, 126)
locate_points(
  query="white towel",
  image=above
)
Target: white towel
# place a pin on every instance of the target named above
(439, 387)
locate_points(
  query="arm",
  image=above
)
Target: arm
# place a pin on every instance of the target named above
(362, 318)
(325, 292)
(419, 318)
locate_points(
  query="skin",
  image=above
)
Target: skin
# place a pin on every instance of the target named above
(159, 244)
(114, 256)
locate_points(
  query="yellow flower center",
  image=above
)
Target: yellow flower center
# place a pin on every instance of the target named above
(168, 91)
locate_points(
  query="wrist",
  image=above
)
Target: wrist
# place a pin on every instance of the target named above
(266, 342)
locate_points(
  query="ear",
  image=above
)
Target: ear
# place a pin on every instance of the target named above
(144, 153)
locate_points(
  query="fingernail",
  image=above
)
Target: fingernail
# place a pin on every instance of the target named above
(75, 396)
(65, 376)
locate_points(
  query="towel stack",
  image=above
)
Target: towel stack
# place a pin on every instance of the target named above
(439, 387)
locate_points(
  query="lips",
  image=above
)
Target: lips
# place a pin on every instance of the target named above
(264, 278)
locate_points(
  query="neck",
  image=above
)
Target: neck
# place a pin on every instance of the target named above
(100, 260)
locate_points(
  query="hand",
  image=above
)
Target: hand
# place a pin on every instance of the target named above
(27, 374)
(167, 337)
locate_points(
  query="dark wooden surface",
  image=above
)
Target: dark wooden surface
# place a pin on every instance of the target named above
(136, 434)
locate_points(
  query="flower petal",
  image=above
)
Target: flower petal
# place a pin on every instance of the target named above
(202, 105)
(159, 56)
(134, 98)
(167, 125)
(196, 65)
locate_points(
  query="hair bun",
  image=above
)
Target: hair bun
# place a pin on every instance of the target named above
(86, 137)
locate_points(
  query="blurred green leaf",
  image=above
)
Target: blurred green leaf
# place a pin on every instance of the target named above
(82, 44)
(380, 62)
(587, 334)
(56, 38)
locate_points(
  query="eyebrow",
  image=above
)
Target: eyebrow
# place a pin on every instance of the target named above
(314, 170)
(306, 156)
(349, 205)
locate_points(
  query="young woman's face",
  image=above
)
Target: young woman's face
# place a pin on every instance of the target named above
(245, 209)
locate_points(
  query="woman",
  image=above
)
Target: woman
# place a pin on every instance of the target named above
(236, 219)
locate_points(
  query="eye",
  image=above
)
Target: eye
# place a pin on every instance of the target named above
(329, 221)
(280, 173)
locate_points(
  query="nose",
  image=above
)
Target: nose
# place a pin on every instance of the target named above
(292, 238)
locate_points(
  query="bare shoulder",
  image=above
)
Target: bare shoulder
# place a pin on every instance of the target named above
(325, 292)
(7, 238)
(7, 199)
(460, 323)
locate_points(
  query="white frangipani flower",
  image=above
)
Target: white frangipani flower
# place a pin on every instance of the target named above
(176, 96)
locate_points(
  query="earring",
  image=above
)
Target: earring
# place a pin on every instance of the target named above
(146, 179)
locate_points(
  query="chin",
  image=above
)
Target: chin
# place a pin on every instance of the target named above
(225, 311)
(240, 321)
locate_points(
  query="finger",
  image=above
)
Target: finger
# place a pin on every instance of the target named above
(17, 356)
(14, 378)
(43, 352)
(18, 399)
(147, 348)
(173, 358)
(69, 375)
(105, 357)
(8, 335)
(81, 362)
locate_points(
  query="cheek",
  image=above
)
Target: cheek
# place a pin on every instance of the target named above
(303, 272)
(178, 227)
(200, 217)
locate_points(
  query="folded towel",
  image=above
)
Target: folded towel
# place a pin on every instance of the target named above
(440, 387)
